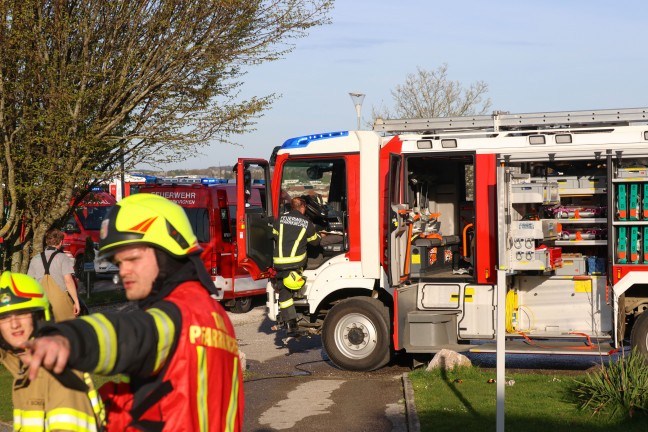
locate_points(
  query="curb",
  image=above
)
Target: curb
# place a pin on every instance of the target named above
(413, 424)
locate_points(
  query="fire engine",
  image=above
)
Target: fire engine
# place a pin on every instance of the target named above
(129, 186)
(85, 222)
(430, 218)
(210, 205)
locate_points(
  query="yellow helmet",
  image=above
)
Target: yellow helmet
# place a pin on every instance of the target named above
(151, 220)
(294, 281)
(22, 293)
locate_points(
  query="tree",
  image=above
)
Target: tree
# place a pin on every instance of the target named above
(87, 87)
(430, 93)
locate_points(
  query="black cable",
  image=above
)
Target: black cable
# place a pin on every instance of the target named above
(297, 366)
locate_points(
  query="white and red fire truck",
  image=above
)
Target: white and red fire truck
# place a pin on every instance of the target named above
(429, 218)
(210, 205)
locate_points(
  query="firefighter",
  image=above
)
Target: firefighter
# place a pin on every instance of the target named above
(292, 233)
(177, 351)
(43, 402)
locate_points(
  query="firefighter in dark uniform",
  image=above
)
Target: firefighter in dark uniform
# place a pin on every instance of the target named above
(177, 351)
(292, 233)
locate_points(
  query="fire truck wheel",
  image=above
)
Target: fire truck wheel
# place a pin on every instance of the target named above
(78, 267)
(356, 334)
(242, 305)
(639, 334)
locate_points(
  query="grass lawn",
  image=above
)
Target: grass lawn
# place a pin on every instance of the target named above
(104, 297)
(464, 400)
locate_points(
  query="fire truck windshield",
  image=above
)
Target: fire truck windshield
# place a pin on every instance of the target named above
(199, 218)
(91, 217)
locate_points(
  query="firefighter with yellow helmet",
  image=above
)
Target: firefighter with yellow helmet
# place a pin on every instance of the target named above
(177, 351)
(292, 232)
(46, 402)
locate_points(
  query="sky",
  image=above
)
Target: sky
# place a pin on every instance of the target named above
(535, 56)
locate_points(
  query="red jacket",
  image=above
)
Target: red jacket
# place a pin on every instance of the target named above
(201, 386)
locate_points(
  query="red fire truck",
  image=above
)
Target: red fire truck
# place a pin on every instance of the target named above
(432, 221)
(210, 205)
(83, 223)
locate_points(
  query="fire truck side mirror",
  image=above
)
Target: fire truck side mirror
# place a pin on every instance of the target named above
(273, 156)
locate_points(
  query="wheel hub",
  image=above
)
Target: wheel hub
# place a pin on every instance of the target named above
(356, 336)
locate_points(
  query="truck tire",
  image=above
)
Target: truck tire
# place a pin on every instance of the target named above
(639, 334)
(78, 267)
(242, 305)
(356, 334)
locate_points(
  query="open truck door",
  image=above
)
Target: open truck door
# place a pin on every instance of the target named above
(253, 223)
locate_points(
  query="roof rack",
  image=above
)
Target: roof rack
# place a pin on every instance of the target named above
(504, 121)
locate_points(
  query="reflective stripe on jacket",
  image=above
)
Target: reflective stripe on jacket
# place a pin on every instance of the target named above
(44, 404)
(292, 232)
(202, 376)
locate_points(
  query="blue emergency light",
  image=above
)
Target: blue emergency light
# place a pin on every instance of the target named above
(258, 181)
(212, 180)
(303, 141)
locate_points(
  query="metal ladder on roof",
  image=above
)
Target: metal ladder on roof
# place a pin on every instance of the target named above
(504, 121)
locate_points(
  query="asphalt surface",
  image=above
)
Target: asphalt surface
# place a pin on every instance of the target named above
(294, 387)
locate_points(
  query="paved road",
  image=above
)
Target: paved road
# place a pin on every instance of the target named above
(296, 388)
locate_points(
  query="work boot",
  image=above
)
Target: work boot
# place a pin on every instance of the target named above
(293, 329)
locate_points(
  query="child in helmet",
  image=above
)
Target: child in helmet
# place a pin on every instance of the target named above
(44, 403)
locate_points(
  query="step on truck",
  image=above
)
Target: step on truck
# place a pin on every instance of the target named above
(211, 206)
(431, 218)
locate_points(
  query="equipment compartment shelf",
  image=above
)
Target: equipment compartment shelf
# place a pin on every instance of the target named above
(581, 242)
(585, 221)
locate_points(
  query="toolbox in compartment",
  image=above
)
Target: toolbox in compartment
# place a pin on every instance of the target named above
(535, 193)
(573, 264)
(433, 254)
(566, 182)
(633, 172)
(595, 265)
(592, 182)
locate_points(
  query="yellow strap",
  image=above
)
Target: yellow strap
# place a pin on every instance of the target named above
(296, 244)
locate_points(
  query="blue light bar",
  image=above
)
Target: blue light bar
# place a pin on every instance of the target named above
(212, 180)
(258, 181)
(303, 141)
(96, 189)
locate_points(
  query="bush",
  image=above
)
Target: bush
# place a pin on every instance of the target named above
(621, 388)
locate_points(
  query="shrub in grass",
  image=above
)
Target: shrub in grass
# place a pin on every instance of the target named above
(621, 388)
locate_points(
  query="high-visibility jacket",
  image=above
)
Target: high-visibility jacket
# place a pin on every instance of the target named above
(292, 232)
(181, 360)
(44, 404)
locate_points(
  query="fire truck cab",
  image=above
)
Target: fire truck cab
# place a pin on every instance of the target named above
(434, 216)
(211, 205)
(85, 222)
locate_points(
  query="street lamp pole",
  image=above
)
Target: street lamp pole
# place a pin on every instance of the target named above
(357, 99)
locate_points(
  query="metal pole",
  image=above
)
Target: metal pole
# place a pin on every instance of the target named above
(501, 348)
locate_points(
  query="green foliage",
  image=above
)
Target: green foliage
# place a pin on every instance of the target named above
(89, 87)
(619, 389)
